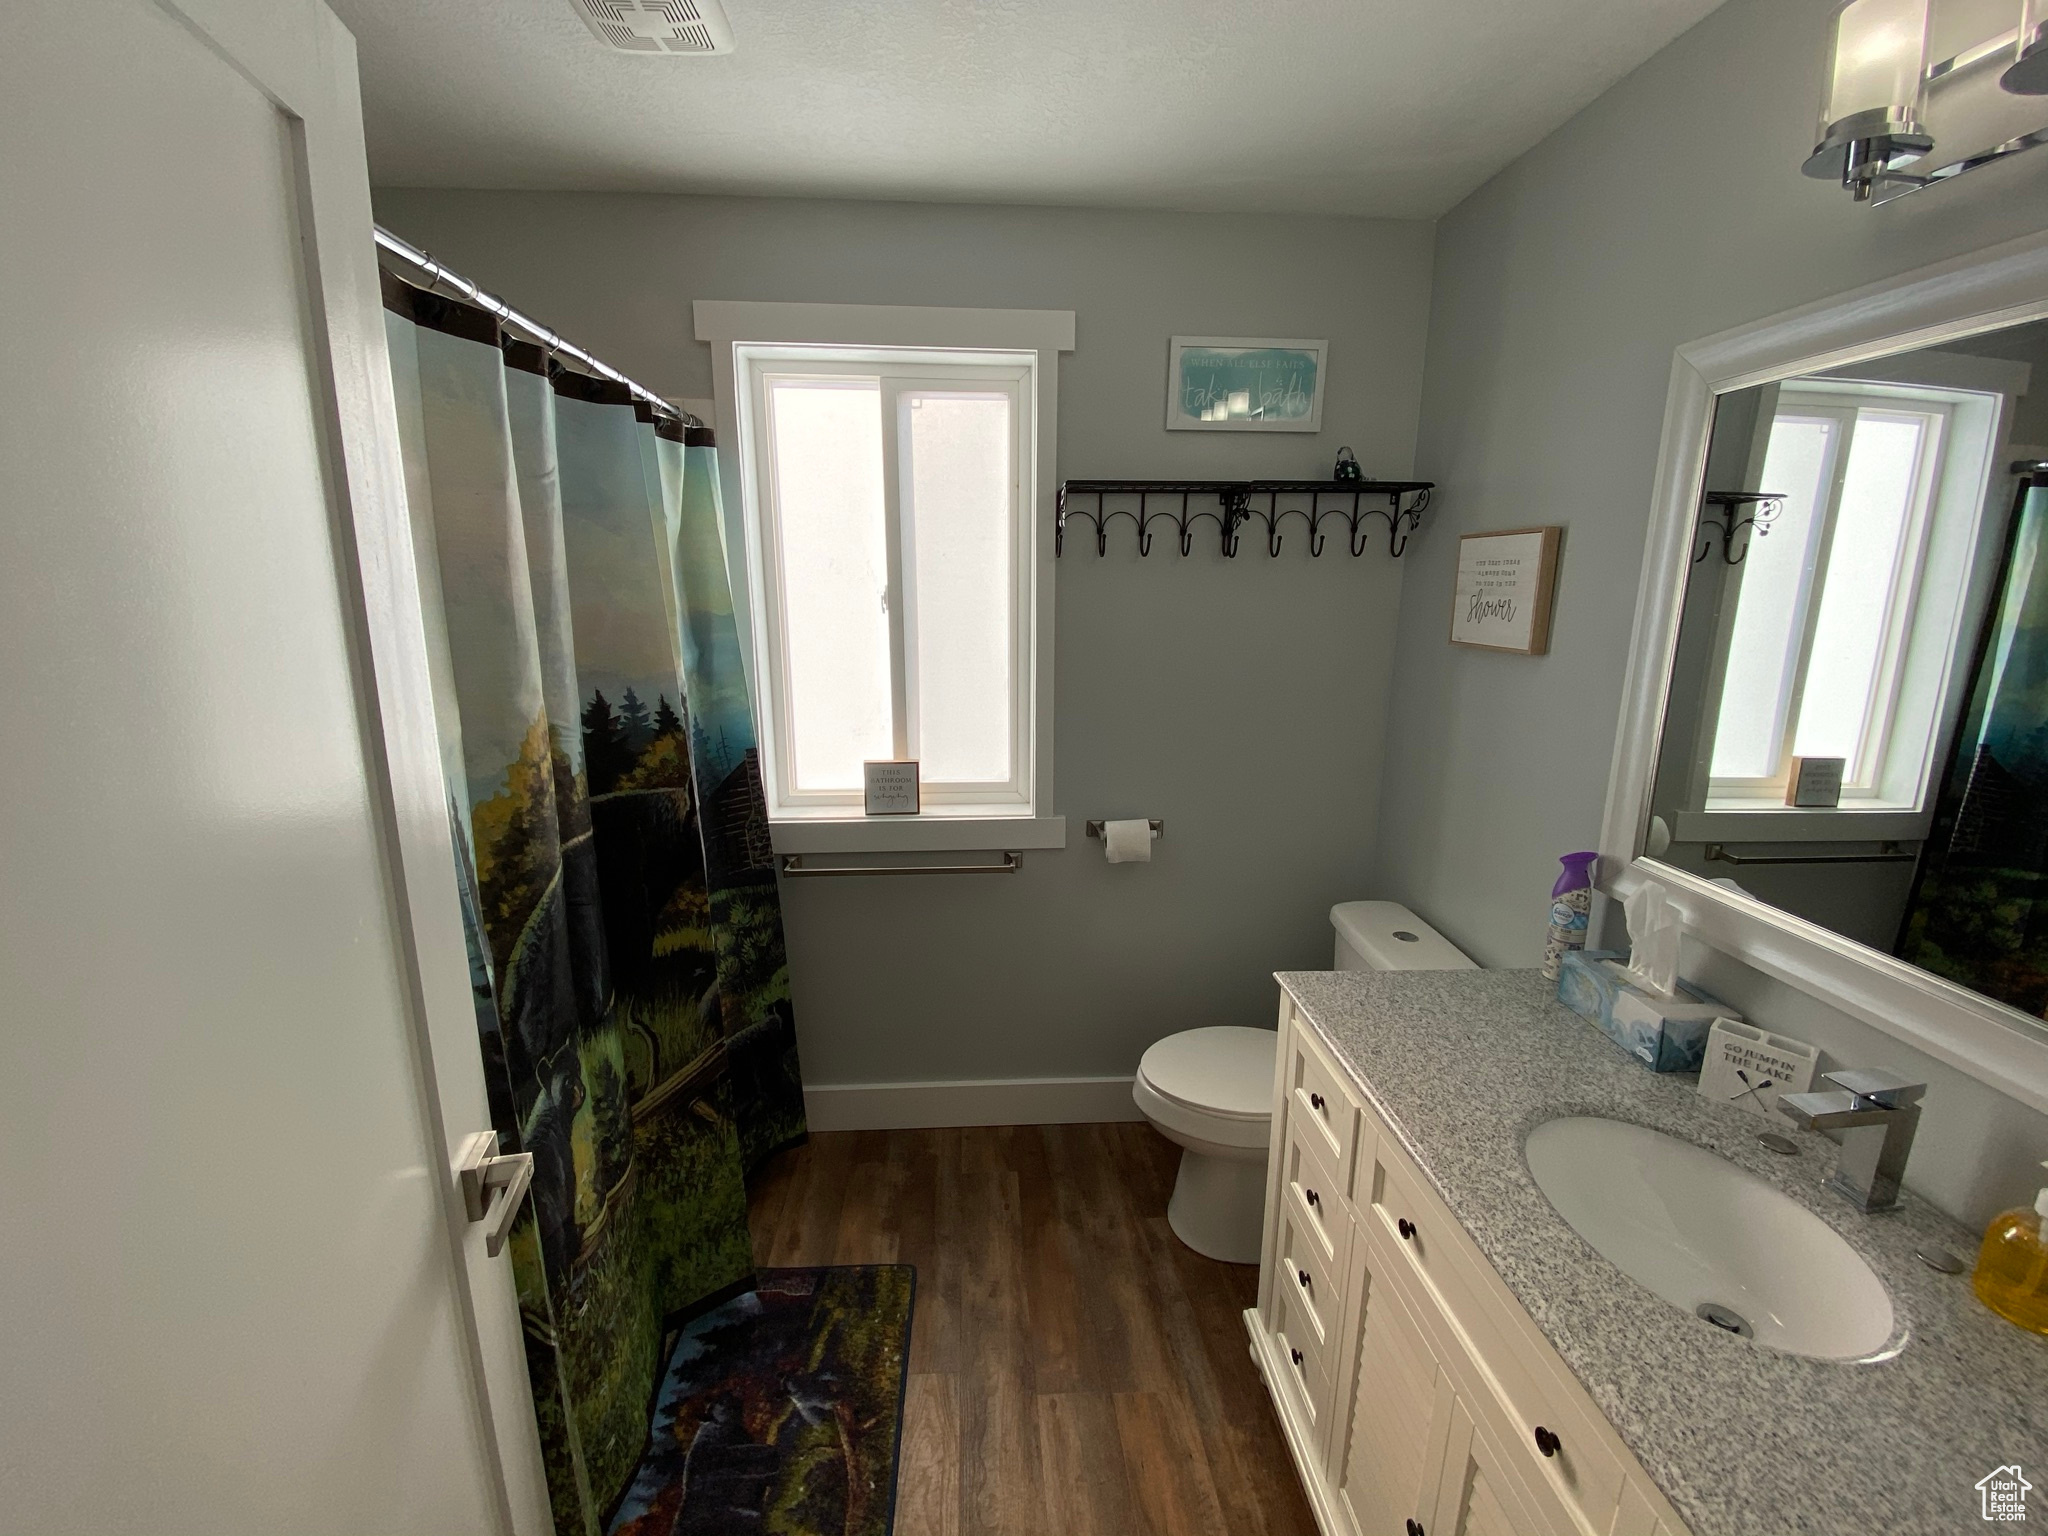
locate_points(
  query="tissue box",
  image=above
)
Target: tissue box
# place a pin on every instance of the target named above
(1586, 984)
(1665, 1037)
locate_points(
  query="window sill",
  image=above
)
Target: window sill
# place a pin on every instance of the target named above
(1794, 824)
(952, 831)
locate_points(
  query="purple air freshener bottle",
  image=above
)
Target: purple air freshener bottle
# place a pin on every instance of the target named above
(1571, 905)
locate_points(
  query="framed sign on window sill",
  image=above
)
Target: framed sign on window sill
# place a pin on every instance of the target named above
(1505, 583)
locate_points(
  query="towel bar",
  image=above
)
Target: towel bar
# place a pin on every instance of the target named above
(793, 864)
(1890, 853)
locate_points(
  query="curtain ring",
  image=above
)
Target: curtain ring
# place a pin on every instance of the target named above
(435, 272)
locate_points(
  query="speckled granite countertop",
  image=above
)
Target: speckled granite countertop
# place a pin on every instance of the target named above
(1744, 1440)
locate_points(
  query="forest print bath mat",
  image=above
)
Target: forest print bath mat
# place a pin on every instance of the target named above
(781, 1410)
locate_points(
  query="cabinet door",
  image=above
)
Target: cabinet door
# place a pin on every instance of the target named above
(1476, 1493)
(1385, 1437)
(1639, 1513)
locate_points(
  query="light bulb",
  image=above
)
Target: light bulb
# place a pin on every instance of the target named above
(2028, 75)
(1871, 105)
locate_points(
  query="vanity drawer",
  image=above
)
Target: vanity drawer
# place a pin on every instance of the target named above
(1320, 1106)
(1312, 1278)
(1421, 1228)
(1313, 1186)
(1525, 1388)
(1305, 1365)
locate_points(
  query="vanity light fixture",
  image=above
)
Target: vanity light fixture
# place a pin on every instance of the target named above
(2028, 75)
(1876, 84)
(1920, 91)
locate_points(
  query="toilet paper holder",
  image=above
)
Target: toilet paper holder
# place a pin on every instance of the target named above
(1094, 828)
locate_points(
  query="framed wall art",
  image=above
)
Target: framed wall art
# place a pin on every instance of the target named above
(1236, 384)
(1505, 583)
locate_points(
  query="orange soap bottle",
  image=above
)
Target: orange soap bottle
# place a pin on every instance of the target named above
(2012, 1266)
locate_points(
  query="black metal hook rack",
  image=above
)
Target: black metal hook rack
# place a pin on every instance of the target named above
(1729, 504)
(1236, 505)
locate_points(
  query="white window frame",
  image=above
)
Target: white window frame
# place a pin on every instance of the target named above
(752, 343)
(1893, 767)
(899, 374)
(1959, 569)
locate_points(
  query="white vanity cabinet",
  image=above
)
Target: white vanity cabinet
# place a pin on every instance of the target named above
(1418, 1398)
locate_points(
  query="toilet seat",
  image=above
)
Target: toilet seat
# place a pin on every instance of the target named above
(1215, 1084)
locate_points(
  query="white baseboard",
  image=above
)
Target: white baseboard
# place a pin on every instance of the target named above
(1000, 1101)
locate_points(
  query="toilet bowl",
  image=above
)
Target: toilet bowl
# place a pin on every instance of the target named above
(1211, 1090)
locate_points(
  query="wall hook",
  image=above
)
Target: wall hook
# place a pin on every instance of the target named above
(1238, 502)
(1729, 505)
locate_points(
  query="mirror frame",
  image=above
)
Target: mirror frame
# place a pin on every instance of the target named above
(2004, 285)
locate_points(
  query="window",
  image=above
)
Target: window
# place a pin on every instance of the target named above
(892, 544)
(1822, 635)
(898, 577)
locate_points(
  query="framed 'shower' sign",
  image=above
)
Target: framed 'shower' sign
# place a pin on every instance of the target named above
(1505, 581)
(1231, 384)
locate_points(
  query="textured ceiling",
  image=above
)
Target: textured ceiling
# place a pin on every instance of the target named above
(1396, 108)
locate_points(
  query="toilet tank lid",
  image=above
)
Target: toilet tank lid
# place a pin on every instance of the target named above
(1392, 938)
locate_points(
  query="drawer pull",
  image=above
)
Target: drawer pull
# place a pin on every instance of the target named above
(1296, 1353)
(1315, 1200)
(1546, 1442)
(1302, 1276)
(1414, 1528)
(1406, 1228)
(1315, 1101)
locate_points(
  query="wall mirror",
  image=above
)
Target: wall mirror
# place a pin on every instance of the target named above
(1835, 749)
(1867, 599)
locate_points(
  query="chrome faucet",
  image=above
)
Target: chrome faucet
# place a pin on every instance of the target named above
(1879, 1112)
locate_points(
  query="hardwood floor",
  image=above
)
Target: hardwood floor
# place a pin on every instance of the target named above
(1074, 1369)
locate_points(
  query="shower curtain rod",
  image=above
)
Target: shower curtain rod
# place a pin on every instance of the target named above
(551, 340)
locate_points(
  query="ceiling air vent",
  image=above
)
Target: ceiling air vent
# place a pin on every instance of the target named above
(658, 26)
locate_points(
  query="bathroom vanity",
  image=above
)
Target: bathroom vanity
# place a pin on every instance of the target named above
(1448, 1356)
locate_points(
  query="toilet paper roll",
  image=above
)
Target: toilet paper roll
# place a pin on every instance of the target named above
(1127, 842)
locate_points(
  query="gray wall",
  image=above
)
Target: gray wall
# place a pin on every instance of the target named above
(1671, 208)
(1243, 701)
(2022, 344)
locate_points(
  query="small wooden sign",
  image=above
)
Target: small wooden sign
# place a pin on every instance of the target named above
(891, 788)
(1815, 783)
(1503, 596)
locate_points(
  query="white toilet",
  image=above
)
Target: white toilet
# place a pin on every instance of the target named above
(1211, 1090)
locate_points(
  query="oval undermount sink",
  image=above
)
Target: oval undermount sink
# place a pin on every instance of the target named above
(1710, 1238)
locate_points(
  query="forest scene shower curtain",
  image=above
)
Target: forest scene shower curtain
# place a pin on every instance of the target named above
(626, 949)
(1979, 909)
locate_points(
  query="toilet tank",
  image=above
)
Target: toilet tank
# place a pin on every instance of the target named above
(1386, 936)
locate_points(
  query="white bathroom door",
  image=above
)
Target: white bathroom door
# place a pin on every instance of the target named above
(237, 1053)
